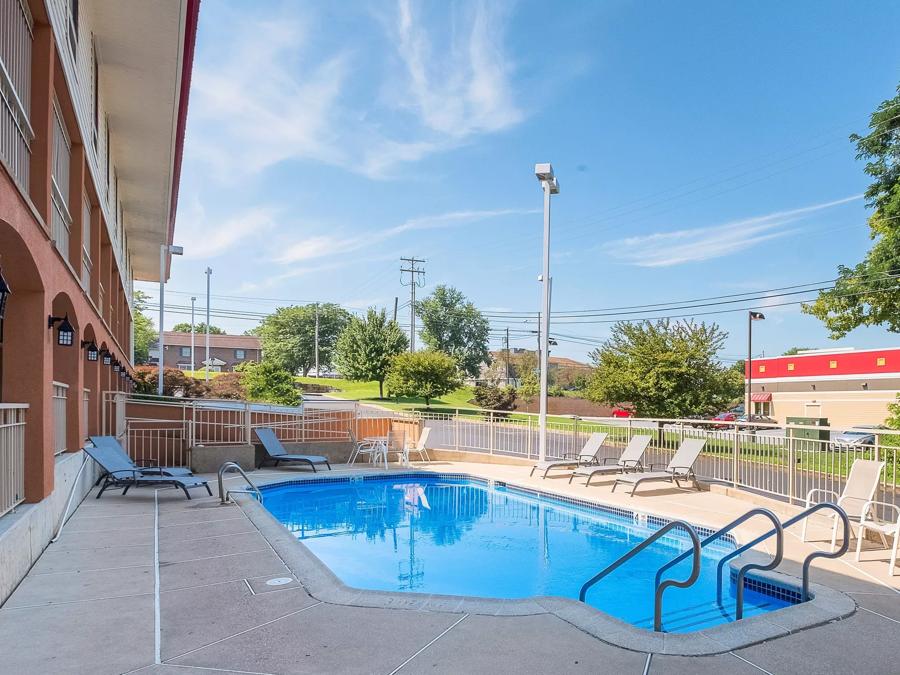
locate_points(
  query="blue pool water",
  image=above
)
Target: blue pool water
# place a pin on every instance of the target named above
(449, 535)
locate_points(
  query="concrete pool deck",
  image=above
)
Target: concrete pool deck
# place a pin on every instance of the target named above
(154, 583)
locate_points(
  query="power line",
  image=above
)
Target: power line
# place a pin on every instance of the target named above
(416, 280)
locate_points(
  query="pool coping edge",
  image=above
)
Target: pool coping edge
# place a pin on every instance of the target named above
(826, 604)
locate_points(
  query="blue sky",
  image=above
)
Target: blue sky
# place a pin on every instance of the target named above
(701, 147)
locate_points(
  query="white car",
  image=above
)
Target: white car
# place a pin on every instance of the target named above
(857, 438)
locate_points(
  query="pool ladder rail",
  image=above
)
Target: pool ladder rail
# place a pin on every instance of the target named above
(696, 545)
(230, 467)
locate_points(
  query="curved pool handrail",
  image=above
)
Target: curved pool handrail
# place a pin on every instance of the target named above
(658, 595)
(791, 521)
(771, 565)
(759, 511)
(228, 467)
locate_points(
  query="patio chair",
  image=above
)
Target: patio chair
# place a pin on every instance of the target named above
(419, 447)
(680, 468)
(123, 474)
(630, 460)
(276, 452)
(857, 493)
(395, 442)
(882, 527)
(368, 447)
(112, 444)
(590, 454)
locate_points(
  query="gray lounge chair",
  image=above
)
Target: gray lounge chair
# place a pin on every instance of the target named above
(275, 450)
(630, 460)
(121, 473)
(680, 468)
(589, 455)
(112, 444)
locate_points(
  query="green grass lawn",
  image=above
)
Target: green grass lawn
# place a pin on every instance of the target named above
(367, 392)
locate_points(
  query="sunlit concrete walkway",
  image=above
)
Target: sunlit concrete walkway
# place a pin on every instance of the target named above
(153, 583)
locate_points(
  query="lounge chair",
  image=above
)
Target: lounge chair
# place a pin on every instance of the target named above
(680, 468)
(630, 460)
(275, 450)
(589, 455)
(121, 473)
(890, 528)
(419, 447)
(112, 444)
(858, 491)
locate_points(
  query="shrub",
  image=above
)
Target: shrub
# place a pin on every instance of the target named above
(495, 398)
(175, 382)
(268, 382)
(227, 385)
(425, 375)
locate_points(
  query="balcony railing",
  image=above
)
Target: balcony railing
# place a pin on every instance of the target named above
(12, 455)
(60, 397)
(15, 88)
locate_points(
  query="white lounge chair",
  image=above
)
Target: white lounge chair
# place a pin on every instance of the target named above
(882, 527)
(590, 454)
(630, 460)
(857, 493)
(680, 468)
(418, 447)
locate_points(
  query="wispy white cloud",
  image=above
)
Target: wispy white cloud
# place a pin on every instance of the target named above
(664, 249)
(205, 238)
(320, 246)
(279, 93)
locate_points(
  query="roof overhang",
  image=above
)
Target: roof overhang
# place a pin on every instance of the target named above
(146, 50)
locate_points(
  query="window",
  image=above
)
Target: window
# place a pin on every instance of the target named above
(880, 361)
(762, 369)
(73, 28)
(96, 82)
(185, 351)
(762, 408)
(832, 364)
(240, 354)
(790, 366)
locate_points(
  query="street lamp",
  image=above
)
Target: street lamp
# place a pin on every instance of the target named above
(193, 300)
(751, 317)
(550, 186)
(208, 277)
(165, 250)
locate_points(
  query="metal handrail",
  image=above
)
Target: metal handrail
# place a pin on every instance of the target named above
(660, 589)
(228, 467)
(806, 563)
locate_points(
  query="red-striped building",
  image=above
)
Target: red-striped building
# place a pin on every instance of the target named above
(847, 386)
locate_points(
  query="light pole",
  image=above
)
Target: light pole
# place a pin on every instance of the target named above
(751, 317)
(165, 250)
(208, 277)
(193, 300)
(550, 186)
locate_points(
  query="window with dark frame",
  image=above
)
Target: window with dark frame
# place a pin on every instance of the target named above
(240, 354)
(185, 351)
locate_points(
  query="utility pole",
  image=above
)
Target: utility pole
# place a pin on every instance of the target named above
(208, 277)
(317, 339)
(193, 300)
(416, 280)
(507, 356)
(396, 300)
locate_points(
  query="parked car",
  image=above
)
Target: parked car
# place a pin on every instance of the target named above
(618, 411)
(725, 420)
(857, 438)
(756, 419)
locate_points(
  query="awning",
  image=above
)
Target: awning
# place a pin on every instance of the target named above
(761, 397)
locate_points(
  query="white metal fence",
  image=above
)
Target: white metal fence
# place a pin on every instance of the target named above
(15, 88)
(60, 398)
(12, 455)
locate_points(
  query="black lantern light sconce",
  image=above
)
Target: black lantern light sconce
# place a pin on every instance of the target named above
(92, 352)
(65, 335)
(107, 357)
(123, 374)
(5, 292)
(117, 367)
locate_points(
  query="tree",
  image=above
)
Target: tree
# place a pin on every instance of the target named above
(268, 382)
(793, 351)
(175, 382)
(289, 336)
(868, 294)
(453, 325)
(366, 347)
(664, 369)
(495, 398)
(185, 327)
(427, 375)
(529, 386)
(144, 330)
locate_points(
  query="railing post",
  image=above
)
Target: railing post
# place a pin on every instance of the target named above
(247, 423)
(528, 433)
(456, 429)
(491, 432)
(574, 435)
(792, 468)
(734, 459)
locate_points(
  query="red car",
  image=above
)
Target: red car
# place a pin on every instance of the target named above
(724, 417)
(622, 412)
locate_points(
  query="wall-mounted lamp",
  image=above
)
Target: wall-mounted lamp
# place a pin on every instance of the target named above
(107, 357)
(117, 367)
(92, 352)
(65, 336)
(5, 292)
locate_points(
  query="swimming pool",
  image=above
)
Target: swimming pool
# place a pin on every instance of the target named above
(451, 534)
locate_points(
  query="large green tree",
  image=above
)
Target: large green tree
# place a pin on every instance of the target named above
(664, 369)
(185, 327)
(144, 330)
(268, 382)
(366, 347)
(868, 294)
(453, 325)
(288, 336)
(427, 375)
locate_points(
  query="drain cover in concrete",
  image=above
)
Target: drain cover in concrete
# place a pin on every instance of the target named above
(279, 581)
(273, 584)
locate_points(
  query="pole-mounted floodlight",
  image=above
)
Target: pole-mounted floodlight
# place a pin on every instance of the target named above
(165, 250)
(65, 336)
(748, 402)
(550, 186)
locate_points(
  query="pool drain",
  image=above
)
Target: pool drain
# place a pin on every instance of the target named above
(279, 581)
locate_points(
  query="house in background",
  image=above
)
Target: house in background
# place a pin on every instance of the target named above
(225, 351)
(846, 386)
